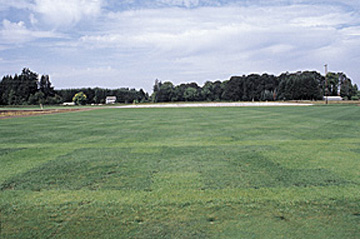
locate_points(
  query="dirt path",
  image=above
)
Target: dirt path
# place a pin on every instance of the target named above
(5, 114)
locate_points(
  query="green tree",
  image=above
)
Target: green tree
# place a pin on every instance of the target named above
(156, 89)
(37, 98)
(357, 91)
(234, 89)
(212, 91)
(179, 92)
(54, 100)
(79, 98)
(12, 98)
(45, 86)
(166, 92)
(347, 89)
(332, 80)
(27, 85)
(190, 94)
(207, 91)
(300, 86)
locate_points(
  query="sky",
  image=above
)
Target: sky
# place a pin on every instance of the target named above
(131, 43)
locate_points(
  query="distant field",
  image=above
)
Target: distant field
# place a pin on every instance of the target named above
(253, 172)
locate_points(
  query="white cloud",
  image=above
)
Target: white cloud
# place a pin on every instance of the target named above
(224, 29)
(19, 4)
(93, 76)
(190, 42)
(185, 3)
(17, 33)
(204, 43)
(33, 19)
(352, 31)
(67, 12)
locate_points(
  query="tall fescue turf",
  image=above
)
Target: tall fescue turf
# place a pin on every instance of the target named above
(278, 172)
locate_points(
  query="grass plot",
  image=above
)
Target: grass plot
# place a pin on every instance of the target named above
(266, 172)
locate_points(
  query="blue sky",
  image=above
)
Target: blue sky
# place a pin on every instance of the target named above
(130, 43)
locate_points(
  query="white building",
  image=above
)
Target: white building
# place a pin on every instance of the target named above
(333, 98)
(69, 103)
(110, 100)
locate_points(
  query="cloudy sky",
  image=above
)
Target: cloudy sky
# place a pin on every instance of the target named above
(130, 43)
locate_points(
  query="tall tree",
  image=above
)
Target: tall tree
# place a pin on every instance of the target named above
(45, 86)
(347, 89)
(166, 92)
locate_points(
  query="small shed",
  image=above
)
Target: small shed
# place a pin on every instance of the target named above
(110, 100)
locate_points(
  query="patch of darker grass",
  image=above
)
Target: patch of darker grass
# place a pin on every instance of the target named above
(47, 221)
(247, 168)
(356, 150)
(9, 150)
(86, 168)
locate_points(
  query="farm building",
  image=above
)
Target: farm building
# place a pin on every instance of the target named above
(110, 100)
(333, 98)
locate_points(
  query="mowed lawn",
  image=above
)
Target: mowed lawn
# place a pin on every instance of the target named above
(252, 172)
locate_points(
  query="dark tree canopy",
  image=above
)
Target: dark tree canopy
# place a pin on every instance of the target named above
(30, 88)
(26, 88)
(98, 95)
(307, 85)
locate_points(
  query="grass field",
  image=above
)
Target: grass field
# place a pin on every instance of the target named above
(257, 172)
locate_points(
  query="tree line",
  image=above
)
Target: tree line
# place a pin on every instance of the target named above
(307, 85)
(29, 88)
(98, 95)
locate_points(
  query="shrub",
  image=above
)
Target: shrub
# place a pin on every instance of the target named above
(79, 98)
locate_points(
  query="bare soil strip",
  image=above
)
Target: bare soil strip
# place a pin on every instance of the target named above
(5, 114)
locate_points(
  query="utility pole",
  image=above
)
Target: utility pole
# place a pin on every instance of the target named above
(326, 89)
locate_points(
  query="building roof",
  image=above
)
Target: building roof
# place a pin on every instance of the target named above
(111, 97)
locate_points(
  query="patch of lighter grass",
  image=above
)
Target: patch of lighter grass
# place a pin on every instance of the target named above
(168, 196)
(28, 158)
(338, 156)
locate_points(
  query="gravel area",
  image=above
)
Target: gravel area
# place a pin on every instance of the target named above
(235, 104)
